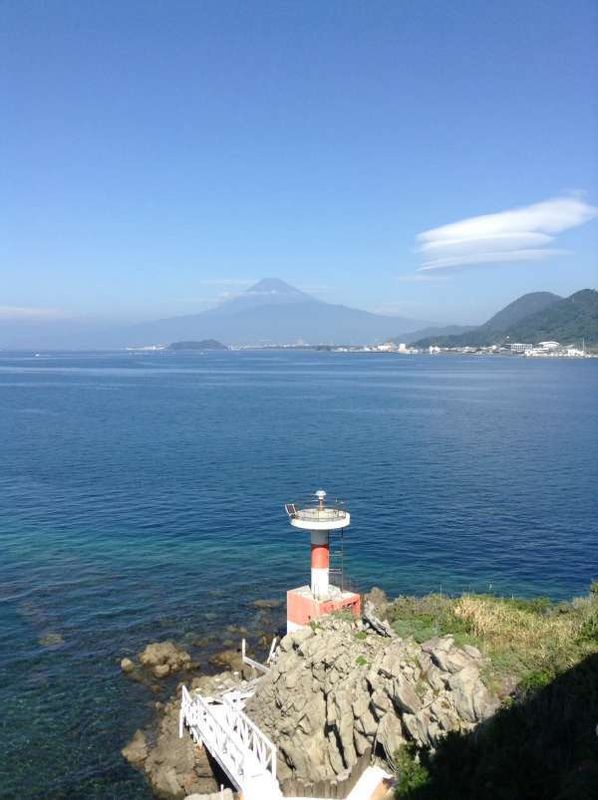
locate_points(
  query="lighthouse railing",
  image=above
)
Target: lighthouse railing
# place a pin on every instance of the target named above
(315, 514)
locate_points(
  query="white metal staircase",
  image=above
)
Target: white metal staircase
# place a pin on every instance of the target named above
(245, 754)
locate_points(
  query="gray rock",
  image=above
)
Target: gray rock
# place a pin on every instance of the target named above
(136, 751)
(331, 696)
(228, 659)
(361, 705)
(127, 666)
(438, 643)
(405, 697)
(435, 678)
(485, 704)
(380, 703)
(456, 660)
(445, 714)
(390, 735)
(161, 670)
(381, 627)
(471, 698)
(161, 654)
(367, 725)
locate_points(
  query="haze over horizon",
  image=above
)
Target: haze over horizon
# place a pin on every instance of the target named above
(164, 158)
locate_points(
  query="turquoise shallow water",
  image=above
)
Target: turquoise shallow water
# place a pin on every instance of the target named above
(141, 498)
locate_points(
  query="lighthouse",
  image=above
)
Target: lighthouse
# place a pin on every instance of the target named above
(306, 603)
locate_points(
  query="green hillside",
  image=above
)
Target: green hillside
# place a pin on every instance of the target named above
(519, 309)
(571, 319)
(533, 318)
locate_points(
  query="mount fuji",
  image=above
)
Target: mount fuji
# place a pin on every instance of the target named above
(273, 312)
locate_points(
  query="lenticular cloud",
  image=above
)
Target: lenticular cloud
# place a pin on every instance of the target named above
(521, 234)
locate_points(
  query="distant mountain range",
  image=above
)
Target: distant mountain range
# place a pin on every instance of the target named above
(270, 312)
(532, 318)
(273, 312)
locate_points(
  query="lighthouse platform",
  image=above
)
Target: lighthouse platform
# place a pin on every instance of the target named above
(303, 607)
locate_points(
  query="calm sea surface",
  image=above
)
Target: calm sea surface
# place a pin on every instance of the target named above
(141, 498)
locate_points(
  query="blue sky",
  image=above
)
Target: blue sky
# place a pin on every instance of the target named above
(156, 156)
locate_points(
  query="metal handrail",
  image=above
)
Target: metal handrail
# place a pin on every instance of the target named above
(233, 749)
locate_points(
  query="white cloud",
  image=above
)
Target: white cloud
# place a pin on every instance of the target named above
(520, 234)
(31, 314)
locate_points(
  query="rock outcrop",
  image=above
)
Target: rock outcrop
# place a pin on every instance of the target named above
(164, 658)
(176, 767)
(339, 690)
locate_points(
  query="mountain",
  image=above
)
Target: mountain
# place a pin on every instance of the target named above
(461, 336)
(268, 291)
(521, 308)
(273, 312)
(571, 319)
(533, 318)
(270, 312)
(490, 331)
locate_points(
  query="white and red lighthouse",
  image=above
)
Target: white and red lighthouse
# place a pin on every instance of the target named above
(320, 597)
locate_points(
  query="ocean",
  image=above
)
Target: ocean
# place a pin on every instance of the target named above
(141, 498)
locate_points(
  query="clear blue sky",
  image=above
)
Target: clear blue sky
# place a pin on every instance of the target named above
(156, 155)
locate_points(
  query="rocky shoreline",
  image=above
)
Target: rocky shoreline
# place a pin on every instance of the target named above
(339, 692)
(177, 768)
(340, 689)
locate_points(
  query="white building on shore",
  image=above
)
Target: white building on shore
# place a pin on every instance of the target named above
(548, 346)
(520, 347)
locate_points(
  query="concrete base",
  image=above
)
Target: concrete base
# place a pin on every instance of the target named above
(302, 606)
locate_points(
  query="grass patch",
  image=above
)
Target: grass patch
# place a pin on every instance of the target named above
(528, 641)
(527, 638)
(425, 617)
(343, 614)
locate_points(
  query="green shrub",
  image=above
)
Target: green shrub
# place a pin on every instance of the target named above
(535, 680)
(411, 775)
(588, 631)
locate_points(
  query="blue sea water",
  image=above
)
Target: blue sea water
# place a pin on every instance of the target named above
(141, 498)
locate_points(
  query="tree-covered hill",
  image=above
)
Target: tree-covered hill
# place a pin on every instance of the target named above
(204, 344)
(571, 319)
(533, 318)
